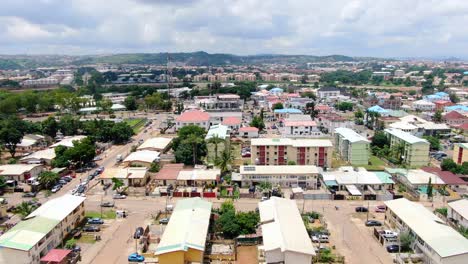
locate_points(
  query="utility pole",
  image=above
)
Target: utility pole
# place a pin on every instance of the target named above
(367, 210)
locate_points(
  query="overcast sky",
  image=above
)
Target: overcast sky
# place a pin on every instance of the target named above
(383, 28)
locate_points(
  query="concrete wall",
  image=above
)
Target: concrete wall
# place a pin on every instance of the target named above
(297, 258)
(8, 255)
(273, 256)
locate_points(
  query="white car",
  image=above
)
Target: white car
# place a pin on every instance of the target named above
(55, 189)
(320, 239)
(389, 234)
(119, 196)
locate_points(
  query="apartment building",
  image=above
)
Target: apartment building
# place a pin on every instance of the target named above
(457, 212)
(460, 153)
(42, 230)
(435, 240)
(300, 126)
(279, 151)
(416, 150)
(351, 146)
(328, 92)
(304, 176)
(423, 105)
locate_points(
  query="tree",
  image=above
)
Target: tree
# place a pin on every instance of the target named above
(448, 165)
(345, 106)
(277, 106)
(437, 116)
(106, 105)
(225, 160)
(70, 243)
(9, 138)
(454, 98)
(194, 141)
(291, 162)
(258, 123)
(429, 188)
(215, 140)
(24, 209)
(406, 241)
(433, 141)
(50, 127)
(2, 182)
(118, 184)
(265, 186)
(155, 167)
(121, 132)
(380, 139)
(247, 222)
(81, 153)
(130, 103)
(48, 178)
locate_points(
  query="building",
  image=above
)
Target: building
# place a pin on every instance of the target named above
(115, 98)
(457, 212)
(168, 174)
(193, 117)
(438, 242)
(423, 105)
(441, 104)
(185, 235)
(160, 144)
(44, 156)
(248, 132)
(42, 230)
(332, 121)
(31, 142)
(304, 176)
(141, 158)
(460, 153)
(130, 176)
(279, 151)
(286, 112)
(357, 181)
(285, 238)
(198, 177)
(20, 172)
(68, 141)
(234, 123)
(300, 126)
(455, 118)
(351, 146)
(415, 150)
(328, 92)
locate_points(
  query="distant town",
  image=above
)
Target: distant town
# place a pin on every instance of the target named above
(177, 158)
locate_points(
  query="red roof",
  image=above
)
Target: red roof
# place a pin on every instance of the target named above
(446, 176)
(463, 127)
(193, 116)
(231, 121)
(442, 102)
(454, 115)
(248, 129)
(169, 171)
(56, 255)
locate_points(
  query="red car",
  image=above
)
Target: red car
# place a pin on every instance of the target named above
(380, 209)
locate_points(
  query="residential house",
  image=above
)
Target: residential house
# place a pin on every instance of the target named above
(142, 158)
(455, 118)
(304, 176)
(356, 182)
(44, 156)
(286, 112)
(168, 174)
(31, 142)
(234, 123)
(351, 146)
(300, 126)
(415, 150)
(328, 92)
(160, 144)
(248, 132)
(198, 177)
(193, 117)
(331, 121)
(20, 172)
(279, 151)
(130, 176)
(423, 105)
(441, 104)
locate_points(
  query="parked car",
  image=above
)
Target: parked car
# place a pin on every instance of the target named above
(67, 178)
(380, 209)
(75, 233)
(91, 229)
(135, 257)
(138, 233)
(56, 188)
(393, 248)
(62, 182)
(119, 196)
(373, 223)
(29, 195)
(107, 204)
(389, 234)
(361, 209)
(95, 221)
(76, 249)
(246, 155)
(320, 239)
(164, 221)
(100, 169)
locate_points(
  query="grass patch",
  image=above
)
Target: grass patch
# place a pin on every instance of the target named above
(109, 214)
(136, 123)
(375, 163)
(86, 238)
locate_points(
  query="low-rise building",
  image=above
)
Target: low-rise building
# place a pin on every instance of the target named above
(160, 144)
(68, 141)
(234, 123)
(423, 105)
(357, 181)
(351, 146)
(279, 151)
(168, 174)
(285, 239)
(457, 212)
(44, 156)
(286, 112)
(193, 117)
(328, 92)
(300, 126)
(438, 242)
(185, 235)
(198, 177)
(304, 176)
(130, 176)
(415, 150)
(455, 118)
(42, 230)
(20, 172)
(142, 158)
(332, 121)
(248, 132)
(31, 142)
(460, 153)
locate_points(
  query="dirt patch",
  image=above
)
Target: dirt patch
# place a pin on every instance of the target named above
(247, 255)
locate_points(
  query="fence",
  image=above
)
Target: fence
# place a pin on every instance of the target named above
(318, 196)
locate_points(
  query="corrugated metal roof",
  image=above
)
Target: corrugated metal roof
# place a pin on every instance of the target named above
(350, 135)
(407, 137)
(158, 143)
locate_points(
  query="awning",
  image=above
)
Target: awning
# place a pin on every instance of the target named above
(56, 255)
(353, 190)
(331, 183)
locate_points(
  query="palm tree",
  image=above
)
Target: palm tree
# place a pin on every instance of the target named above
(215, 140)
(193, 140)
(48, 178)
(398, 151)
(224, 162)
(24, 209)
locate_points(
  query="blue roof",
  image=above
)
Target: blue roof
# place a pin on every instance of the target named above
(441, 94)
(276, 90)
(288, 111)
(463, 108)
(377, 109)
(465, 73)
(434, 96)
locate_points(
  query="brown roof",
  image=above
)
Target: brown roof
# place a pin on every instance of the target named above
(193, 116)
(169, 171)
(454, 115)
(446, 176)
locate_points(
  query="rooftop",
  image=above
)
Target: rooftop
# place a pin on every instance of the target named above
(193, 116)
(279, 169)
(288, 111)
(46, 154)
(444, 240)
(248, 129)
(187, 227)
(231, 121)
(67, 141)
(350, 135)
(169, 171)
(460, 206)
(407, 137)
(17, 169)
(157, 143)
(199, 175)
(218, 130)
(142, 155)
(291, 142)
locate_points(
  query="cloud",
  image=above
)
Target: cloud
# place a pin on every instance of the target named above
(357, 27)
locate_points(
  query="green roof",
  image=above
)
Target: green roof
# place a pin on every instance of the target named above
(384, 177)
(396, 171)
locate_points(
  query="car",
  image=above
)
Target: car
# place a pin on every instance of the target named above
(135, 257)
(100, 169)
(321, 248)
(107, 204)
(140, 141)
(90, 178)
(81, 170)
(95, 221)
(94, 173)
(361, 209)
(55, 189)
(91, 229)
(246, 155)
(29, 195)
(34, 203)
(67, 178)
(11, 209)
(97, 158)
(62, 182)
(164, 221)
(75, 233)
(138, 233)
(76, 248)
(119, 196)
(320, 239)
(106, 186)
(264, 198)
(393, 248)
(373, 223)
(389, 234)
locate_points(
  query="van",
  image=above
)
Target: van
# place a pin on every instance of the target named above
(119, 158)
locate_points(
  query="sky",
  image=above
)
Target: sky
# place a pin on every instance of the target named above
(381, 28)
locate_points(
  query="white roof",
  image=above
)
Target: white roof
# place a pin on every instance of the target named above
(219, 130)
(45, 154)
(291, 142)
(460, 206)
(422, 102)
(283, 228)
(142, 155)
(422, 177)
(350, 135)
(352, 177)
(199, 175)
(405, 136)
(443, 239)
(402, 125)
(58, 208)
(279, 169)
(17, 169)
(124, 173)
(353, 190)
(157, 143)
(67, 141)
(187, 228)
